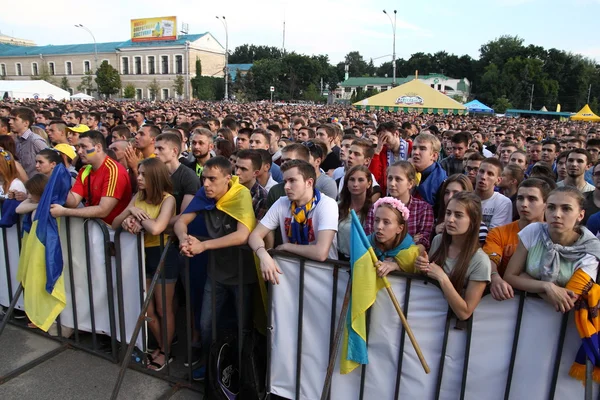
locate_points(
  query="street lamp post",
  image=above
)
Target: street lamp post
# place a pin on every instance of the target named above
(95, 47)
(226, 70)
(393, 23)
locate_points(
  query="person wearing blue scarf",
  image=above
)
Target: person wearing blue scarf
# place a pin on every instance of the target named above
(431, 180)
(431, 175)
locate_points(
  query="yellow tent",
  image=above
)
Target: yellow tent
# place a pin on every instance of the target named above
(413, 96)
(586, 114)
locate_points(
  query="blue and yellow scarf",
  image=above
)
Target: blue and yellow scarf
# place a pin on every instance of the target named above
(298, 231)
(404, 254)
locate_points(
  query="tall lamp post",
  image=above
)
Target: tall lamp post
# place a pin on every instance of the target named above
(393, 23)
(224, 22)
(95, 48)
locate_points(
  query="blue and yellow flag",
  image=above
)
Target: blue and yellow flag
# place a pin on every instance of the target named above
(365, 285)
(41, 261)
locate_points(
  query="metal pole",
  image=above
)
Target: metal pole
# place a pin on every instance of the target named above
(393, 24)
(531, 99)
(95, 48)
(187, 70)
(226, 69)
(589, 93)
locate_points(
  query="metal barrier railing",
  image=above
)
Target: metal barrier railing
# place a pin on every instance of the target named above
(117, 314)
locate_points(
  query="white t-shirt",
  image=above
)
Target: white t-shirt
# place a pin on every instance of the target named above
(321, 218)
(497, 210)
(15, 185)
(270, 183)
(338, 173)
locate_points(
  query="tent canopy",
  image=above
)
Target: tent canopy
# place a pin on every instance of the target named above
(413, 96)
(81, 96)
(29, 89)
(476, 106)
(586, 114)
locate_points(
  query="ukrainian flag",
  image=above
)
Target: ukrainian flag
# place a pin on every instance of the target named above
(41, 262)
(365, 285)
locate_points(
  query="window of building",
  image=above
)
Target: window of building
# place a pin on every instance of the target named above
(165, 94)
(433, 85)
(52, 68)
(179, 64)
(71, 91)
(138, 94)
(164, 64)
(151, 65)
(347, 89)
(384, 88)
(439, 86)
(369, 87)
(86, 67)
(137, 61)
(69, 68)
(34, 69)
(2, 69)
(151, 96)
(19, 69)
(125, 65)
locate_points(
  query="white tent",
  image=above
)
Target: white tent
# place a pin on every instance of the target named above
(29, 89)
(81, 96)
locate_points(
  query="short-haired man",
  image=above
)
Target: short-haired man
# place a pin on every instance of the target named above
(226, 208)
(308, 221)
(73, 133)
(57, 132)
(511, 178)
(293, 151)
(550, 151)
(243, 139)
(120, 132)
(324, 183)
(496, 208)
(264, 177)
(74, 118)
(247, 167)
(28, 144)
(4, 126)
(5, 111)
(455, 163)
(327, 133)
(504, 151)
(534, 150)
(345, 146)
(426, 149)
(114, 117)
(577, 164)
(103, 183)
(360, 153)
(305, 133)
(213, 124)
(390, 148)
(201, 144)
(472, 164)
(93, 121)
(42, 119)
(139, 117)
(261, 139)
(593, 147)
(119, 147)
(591, 204)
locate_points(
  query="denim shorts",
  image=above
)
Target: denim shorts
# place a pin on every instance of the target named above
(171, 267)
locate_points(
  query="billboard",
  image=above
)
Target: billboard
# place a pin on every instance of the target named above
(150, 29)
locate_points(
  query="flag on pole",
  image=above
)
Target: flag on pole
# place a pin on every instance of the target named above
(365, 286)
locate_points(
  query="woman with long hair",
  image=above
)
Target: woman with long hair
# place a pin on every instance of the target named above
(355, 195)
(151, 209)
(455, 259)
(8, 143)
(9, 177)
(548, 254)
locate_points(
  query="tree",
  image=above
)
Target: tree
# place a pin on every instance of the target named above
(501, 105)
(178, 85)
(87, 83)
(248, 54)
(153, 88)
(312, 93)
(129, 91)
(64, 84)
(108, 79)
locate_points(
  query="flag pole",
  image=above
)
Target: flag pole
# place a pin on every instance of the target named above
(409, 331)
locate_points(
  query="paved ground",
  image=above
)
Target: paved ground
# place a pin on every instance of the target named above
(65, 373)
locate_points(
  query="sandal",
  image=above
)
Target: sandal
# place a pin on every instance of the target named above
(154, 366)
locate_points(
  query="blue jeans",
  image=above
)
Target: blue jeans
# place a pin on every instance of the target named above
(222, 294)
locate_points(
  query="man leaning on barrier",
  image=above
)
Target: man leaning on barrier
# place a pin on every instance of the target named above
(225, 206)
(307, 219)
(103, 183)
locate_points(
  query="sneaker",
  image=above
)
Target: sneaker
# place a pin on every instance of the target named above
(196, 355)
(18, 314)
(199, 374)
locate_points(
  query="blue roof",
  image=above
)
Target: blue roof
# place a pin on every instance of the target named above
(9, 50)
(476, 106)
(233, 69)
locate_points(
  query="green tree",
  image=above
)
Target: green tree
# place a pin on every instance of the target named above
(154, 89)
(64, 84)
(249, 53)
(129, 91)
(108, 79)
(312, 93)
(87, 83)
(178, 85)
(501, 105)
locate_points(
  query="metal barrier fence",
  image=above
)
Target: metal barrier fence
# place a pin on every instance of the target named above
(121, 325)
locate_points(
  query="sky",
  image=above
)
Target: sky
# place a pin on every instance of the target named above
(332, 27)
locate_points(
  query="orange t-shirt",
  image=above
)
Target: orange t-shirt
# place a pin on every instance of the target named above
(501, 243)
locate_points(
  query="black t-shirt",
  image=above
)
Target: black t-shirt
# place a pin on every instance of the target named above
(184, 182)
(226, 261)
(332, 161)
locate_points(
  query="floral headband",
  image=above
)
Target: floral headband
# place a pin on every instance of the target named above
(395, 203)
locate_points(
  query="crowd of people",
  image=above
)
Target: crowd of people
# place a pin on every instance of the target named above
(471, 202)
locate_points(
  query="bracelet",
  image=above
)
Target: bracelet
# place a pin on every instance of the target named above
(494, 273)
(258, 248)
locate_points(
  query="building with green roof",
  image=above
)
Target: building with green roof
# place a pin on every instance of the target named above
(139, 63)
